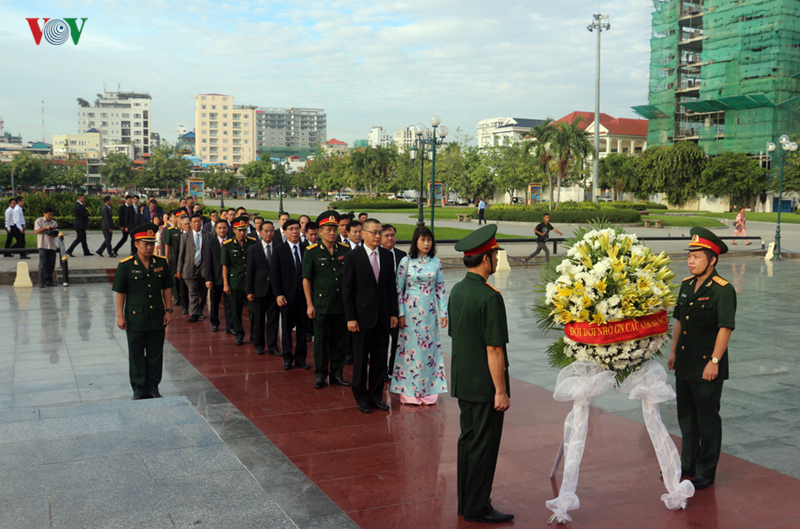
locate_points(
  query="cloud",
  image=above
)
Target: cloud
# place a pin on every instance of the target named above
(389, 63)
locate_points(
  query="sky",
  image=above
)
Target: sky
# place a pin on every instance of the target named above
(379, 63)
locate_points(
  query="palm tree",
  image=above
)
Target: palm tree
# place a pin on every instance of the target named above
(542, 134)
(569, 145)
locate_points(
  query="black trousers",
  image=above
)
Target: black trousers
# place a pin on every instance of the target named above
(294, 314)
(701, 427)
(395, 334)
(10, 236)
(80, 239)
(478, 446)
(265, 316)
(107, 243)
(14, 234)
(47, 265)
(146, 360)
(218, 295)
(369, 344)
(330, 331)
(122, 241)
(480, 217)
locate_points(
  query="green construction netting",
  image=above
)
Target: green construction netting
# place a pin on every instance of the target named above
(649, 111)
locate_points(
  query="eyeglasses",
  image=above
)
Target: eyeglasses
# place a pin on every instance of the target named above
(376, 233)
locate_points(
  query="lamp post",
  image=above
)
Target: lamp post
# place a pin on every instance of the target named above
(280, 189)
(419, 130)
(787, 146)
(414, 152)
(436, 121)
(599, 25)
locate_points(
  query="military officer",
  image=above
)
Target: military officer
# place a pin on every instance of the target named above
(704, 315)
(479, 374)
(169, 240)
(233, 258)
(322, 284)
(143, 284)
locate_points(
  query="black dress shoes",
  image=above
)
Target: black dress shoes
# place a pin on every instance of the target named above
(701, 483)
(495, 517)
(348, 360)
(88, 254)
(238, 341)
(215, 328)
(185, 312)
(287, 366)
(156, 395)
(387, 378)
(193, 318)
(275, 352)
(364, 407)
(259, 351)
(339, 381)
(380, 405)
(228, 331)
(138, 397)
(303, 365)
(319, 382)
(70, 254)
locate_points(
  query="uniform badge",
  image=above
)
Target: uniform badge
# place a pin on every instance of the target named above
(703, 299)
(683, 295)
(159, 269)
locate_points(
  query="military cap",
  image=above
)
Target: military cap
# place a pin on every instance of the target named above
(328, 218)
(241, 223)
(703, 238)
(180, 212)
(145, 232)
(479, 241)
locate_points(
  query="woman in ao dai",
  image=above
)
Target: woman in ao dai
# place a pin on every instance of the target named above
(418, 373)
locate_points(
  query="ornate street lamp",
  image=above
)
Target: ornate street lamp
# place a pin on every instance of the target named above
(436, 121)
(419, 131)
(787, 146)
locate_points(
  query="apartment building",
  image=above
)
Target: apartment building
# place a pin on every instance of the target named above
(286, 131)
(224, 133)
(122, 117)
(379, 137)
(88, 145)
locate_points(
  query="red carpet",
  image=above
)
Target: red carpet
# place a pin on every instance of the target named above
(397, 469)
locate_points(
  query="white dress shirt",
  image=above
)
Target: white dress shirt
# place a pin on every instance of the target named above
(376, 251)
(291, 250)
(10, 220)
(19, 217)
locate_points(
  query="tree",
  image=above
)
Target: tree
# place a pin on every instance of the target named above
(166, 168)
(542, 134)
(570, 146)
(734, 174)
(618, 172)
(514, 165)
(477, 178)
(117, 170)
(216, 177)
(371, 167)
(68, 174)
(29, 170)
(673, 170)
(449, 164)
(258, 174)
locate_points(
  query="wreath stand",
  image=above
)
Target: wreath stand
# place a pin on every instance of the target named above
(582, 382)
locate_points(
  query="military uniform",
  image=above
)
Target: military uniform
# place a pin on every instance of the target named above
(477, 320)
(234, 256)
(144, 313)
(324, 270)
(701, 314)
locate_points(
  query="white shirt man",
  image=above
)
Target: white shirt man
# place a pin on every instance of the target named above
(10, 221)
(19, 217)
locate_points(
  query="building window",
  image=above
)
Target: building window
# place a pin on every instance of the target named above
(224, 157)
(126, 116)
(225, 149)
(137, 116)
(246, 142)
(224, 107)
(224, 98)
(203, 98)
(246, 133)
(213, 107)
(137, 104)
(203, 107)
(203, 115)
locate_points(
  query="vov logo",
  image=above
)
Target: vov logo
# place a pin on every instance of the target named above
(56, 31)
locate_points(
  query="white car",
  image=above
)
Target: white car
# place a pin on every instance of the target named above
(341, 197)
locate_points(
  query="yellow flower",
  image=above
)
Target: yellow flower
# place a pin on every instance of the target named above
(598, 318)
(584, 315)
(579, 289)
(601, 285)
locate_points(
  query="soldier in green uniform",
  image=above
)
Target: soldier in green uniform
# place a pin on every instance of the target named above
(169, 240)
(233, 258)
(143, 284)
(322, 283)
(705, 318)
(479, 374)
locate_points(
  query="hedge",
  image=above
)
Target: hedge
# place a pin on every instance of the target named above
(63, 204)
(564, 216)
(363, 205)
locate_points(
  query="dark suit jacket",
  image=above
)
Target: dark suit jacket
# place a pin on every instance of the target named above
(137, 217)
(108, 220)
(398, 256)
(147, 217)
(212, 269)
(186, 252)
(258, 276)
(284, 280)
(368, 302)
(124, 216)
(81, 216)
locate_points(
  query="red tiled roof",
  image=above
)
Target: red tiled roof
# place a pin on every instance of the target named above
(587, 118)
(334, 141)
(620, 126)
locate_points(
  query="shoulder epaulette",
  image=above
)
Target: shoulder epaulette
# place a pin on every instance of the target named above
(490, 286)
(718, 280)
(227, 241)
(251, 238)
(344, 244)
(687, 278)
(127, 259)
(311, 247)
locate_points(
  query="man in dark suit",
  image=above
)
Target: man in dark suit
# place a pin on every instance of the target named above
(344, 236)
(127, 220)
(212, 273)
(107, 226)
(287, 283)
(211, 225)
(136, 218)
(370, 305)
(190, 265)
(388, 241)
(153, 210)
(311, 239)
(258, 287)
(81, 223)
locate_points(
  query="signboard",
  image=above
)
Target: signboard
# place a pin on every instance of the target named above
(240, 193)
(196, 188)
(131, 190)
(534, 194)
(436, 194)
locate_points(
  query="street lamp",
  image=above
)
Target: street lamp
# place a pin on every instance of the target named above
(787, 146)
(419, 130)
(598, 25)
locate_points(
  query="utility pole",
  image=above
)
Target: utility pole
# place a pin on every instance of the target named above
(599, 25)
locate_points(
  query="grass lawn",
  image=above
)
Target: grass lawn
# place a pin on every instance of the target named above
(686, 222)
(406, 231)
(788, 218)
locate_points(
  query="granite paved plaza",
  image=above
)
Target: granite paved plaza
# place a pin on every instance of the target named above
(240, 443)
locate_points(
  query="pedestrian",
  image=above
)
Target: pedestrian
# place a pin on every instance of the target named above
(343, 236)
(418, 373)
(479, 374)
(19, 220)
(190, 265)
(81, 223)
(233, 259)
(170, 238)
(704, 320)
(212, 272)
(287, 285)
(144, 310)
(260, 292)
(11, 226)
(46, 230)
(180, 285)
(481, 211)
(211, 225)
(739, 227)
(369, 288)
(153, 210)
(158, 221)
(389, 241)
(126, 218)
(542, 231)
(322, 282)
(107, 226)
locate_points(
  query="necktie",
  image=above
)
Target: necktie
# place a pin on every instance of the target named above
(298, 268)
(375, 269)
(269, 254)
(197, 249)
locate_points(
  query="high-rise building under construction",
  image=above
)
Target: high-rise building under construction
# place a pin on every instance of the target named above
(723, 73)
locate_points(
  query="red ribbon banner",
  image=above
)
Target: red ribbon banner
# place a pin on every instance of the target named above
(618, 331)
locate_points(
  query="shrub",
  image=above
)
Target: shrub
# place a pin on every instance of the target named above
(564, 216)
(359, 204)
(63, 205)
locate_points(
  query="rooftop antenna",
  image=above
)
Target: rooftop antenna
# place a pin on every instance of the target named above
(1, 126)
(43, 122)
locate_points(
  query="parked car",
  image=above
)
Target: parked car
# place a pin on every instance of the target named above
(341, 197)
(516, 200)
(407, 199)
